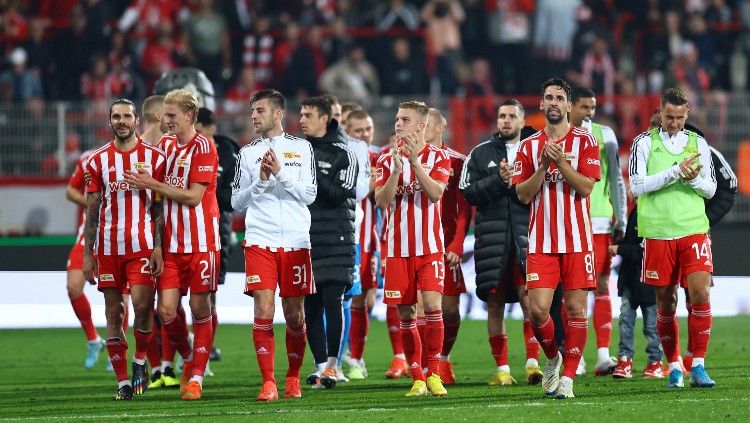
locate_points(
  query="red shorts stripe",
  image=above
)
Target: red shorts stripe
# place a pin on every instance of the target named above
(368, 270)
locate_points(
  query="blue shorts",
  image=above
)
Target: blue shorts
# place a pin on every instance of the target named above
(356, 288)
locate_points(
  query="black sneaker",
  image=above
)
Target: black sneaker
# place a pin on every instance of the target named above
(215, 354)
(169, 380)
(124, 393)
(140, 379)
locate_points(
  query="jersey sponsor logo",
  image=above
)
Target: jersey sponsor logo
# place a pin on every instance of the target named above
(652, 274)
(183, 162)
(444, 171)
(408, 189)
(142, 166)
(554, 176)
(291, 155)
(392, 294)
(118, 186)
(592, 162)
(517, 168)
(253, 279)
(205, 168)
(175, 181)
(107, 277)
(293, 164)
(532, 277)
(570, 155)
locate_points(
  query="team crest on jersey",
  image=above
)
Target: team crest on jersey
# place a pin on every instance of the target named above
(652, 274)
(107, 277)
(532, 277)
(392, 294)
(183, 162)
(691, 150)
(291, 155)
(379, 173)
(517, 168)
(142, 166)
(253, 279)
(569, 155)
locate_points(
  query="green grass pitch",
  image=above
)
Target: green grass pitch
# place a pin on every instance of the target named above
(42, 379)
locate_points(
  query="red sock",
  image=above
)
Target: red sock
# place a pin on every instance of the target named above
(700, 328)
(178, 336)
(499, 347)
(602, 320)
(118, 353)
(421, 322)
(564, 313)
(82, 309)
(666, 325)
(265, 347)
(450, 335)
(141, 343)
(545, 334)
(203, 329)
(357, 334)
(394, 329)
(532, 345)
(577, 330)
(125, 319)
(412, 348)
(214, 324)
(154, 349)
(690, 344)
(167, 349)
(296, 342)
(433, 340)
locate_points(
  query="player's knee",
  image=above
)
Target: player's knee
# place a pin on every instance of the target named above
(142, 310)
(451, 315)
(166, 314)
(407, 312)
(74, 291)
(115, 314)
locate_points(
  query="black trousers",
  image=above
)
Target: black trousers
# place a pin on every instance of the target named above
(325, 340)
(556, 312)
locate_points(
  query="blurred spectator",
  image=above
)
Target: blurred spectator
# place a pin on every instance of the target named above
(405, 73)
(238, 14)
(94, 83)
(396, 14)
(304, 66)
(145, 17)
(474, 28)
(159, 55)
(443, 19)
(98, 14)
(509, 33)
(13, 26)
(703, 39)
(598, 72)
(207, 44)
(554, 28)
(40, 55)
(56, 15)
(258, 52)
(480, 80)
(236, 99)
(338, 42)
(6, 92)
(119, 51)
(689, 73)
(26, 83)
(352, 78)
(74, 49)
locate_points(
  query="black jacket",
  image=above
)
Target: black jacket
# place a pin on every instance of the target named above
(726, 189)
(332, 212)
(630, 248)
(502, 222)
(228, 152)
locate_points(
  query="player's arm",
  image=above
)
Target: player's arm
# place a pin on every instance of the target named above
(726, 189)
(190, 196)
(704, 183)
(75, 196)
(156, 260)
(304, 188)
(617, 195)
(336, 191)
(385, 192)
(463, 221)
(363, 173)
(93, 200)
(640, 182)
(432, 188)
(246, 187)
(480, 190)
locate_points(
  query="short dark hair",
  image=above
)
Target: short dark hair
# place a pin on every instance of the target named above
(350, 106)
(578, 92)
(273, 96)
(513, 102)
(320, 103)
(331, 99)
(358, 114)
(206, 117)
(674, 96)
(123, 101)
(557, 82)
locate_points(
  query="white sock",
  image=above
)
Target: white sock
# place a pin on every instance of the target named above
(198, 379)
(140, 361)
(698, 361)
(603, 354)
(562, 378)
(532, 362)
(401, 356)
(156, 369)
(332, 362)
(122, 383)
(320, 367)
(676, 365)
(165, 364)
(503, 368)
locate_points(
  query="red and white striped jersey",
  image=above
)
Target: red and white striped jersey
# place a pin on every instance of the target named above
(559, 218)
(78, 182)
(414, 222)
(191, 229)
(368, 229)
(125, 224)
(456, 211)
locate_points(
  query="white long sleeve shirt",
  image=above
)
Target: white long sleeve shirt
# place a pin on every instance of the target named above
(362, 154)
(641, 183)
(277, 214)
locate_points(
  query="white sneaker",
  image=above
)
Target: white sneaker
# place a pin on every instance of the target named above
(565, 388)
(551, 374)
(208, 371)
(606, 367)
(581, 370)
(340, 376)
